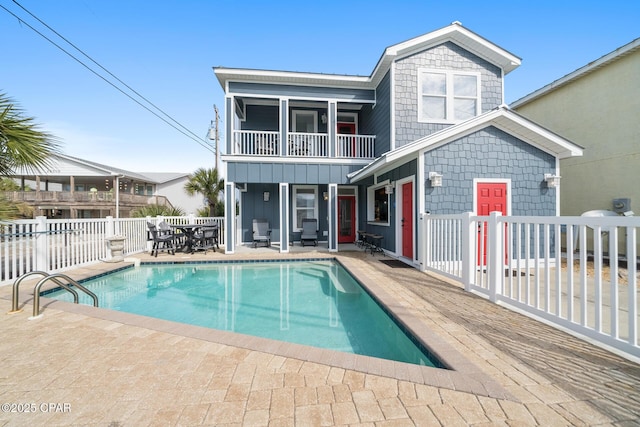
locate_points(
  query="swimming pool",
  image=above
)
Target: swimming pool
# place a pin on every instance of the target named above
(311, 302)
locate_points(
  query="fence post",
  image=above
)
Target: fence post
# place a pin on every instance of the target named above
(468, 253)
(42, 244)
(495, 257)
(424, 230)
(110, 228)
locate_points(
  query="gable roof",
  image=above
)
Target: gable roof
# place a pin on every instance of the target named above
(455, 33)
(502, 118)
(150, 177)
(580, 72)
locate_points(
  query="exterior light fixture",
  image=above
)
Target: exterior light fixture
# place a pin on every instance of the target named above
(323, 118)
(265, 196)
(325, 196)
(436, 179)
(388, 189)
(553, 181)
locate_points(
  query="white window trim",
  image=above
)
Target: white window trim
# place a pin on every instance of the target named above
(353, 115)
(477, 181)
(294, 121)
(294, 205)
(371, 204)
(448, 95)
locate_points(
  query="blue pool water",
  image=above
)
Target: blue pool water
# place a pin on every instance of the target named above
(316, 303)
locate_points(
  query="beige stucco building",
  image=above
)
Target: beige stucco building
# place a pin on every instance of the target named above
(597, 107)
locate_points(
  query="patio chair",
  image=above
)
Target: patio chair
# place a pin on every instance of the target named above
(207, 239)
(261, 232)
(309, 231)
(166, 242)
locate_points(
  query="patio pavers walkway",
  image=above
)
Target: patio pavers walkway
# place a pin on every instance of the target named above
(113, 373)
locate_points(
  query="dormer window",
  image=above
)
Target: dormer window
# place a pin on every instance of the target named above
(447, 96)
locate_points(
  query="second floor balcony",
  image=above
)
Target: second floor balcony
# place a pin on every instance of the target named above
(303, 128)
(302, 144)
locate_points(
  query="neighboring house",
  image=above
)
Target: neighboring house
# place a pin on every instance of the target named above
(78, 188)
(598, 107)
(426, 132)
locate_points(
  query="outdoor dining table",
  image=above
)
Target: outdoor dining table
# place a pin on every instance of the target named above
(370, 241)
(189, 230)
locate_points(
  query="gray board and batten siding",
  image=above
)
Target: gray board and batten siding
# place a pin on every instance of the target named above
(255, 206)
(293, 173)
(388, 232)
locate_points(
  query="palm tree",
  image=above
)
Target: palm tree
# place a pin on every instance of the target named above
(22, 143)
(156, 210)
(207, 183)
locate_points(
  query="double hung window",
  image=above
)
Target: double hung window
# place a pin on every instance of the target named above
(447, 96)
(305, 204)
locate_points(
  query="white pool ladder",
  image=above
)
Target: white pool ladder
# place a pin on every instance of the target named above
(36, 290)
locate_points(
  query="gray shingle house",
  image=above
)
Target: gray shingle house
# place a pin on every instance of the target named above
(426, 132)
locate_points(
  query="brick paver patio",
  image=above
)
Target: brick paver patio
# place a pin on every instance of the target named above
(80, 366)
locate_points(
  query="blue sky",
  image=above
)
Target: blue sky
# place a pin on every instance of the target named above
(165, 50)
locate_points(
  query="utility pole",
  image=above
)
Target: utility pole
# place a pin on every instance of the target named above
(216, 134)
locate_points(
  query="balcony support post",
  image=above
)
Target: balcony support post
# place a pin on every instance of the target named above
(284, 125)
(331, 128)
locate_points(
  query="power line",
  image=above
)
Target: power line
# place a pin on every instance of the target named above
(103, 68)
(190, 134)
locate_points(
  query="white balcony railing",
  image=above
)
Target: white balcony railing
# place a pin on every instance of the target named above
(308, 144)
(265, 143)
(357, 146)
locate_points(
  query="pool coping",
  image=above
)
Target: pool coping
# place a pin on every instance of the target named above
(462, 376)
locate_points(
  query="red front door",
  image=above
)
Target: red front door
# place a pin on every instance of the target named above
(346, 219)
(349, 149)
(407, 220)
(491, 197)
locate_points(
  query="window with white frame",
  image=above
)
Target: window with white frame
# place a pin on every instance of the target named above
(304, 121)
(447, 96)
(305, 204)
(378, 205)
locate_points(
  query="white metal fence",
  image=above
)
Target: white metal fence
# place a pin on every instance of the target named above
(59, 244)
(578, 273)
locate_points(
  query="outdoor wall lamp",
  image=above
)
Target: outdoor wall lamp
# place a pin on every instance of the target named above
(265, 196)
(388, 189)
(325, 196)
(552, 180)
(436, 179)
(323, 118)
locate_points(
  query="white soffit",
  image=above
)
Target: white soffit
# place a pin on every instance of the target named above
(454, 32)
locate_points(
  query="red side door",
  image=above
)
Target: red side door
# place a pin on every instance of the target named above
(346, 219)
(491, 196)
(407, 220)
